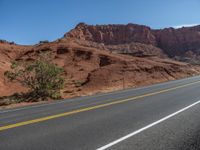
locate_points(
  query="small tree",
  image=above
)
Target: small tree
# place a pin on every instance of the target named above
(42, 42)
(42, 78)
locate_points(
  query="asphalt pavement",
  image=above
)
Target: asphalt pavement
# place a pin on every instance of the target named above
(158, 117)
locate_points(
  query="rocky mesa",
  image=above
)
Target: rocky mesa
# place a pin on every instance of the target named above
(182, 44)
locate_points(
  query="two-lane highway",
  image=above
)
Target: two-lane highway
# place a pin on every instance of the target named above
(161, 116)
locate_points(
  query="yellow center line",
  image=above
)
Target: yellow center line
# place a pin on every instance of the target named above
(91, 108)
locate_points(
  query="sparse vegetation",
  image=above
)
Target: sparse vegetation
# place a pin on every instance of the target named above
(43, 79)
(44, 41)
(79, 83)
(4, 41)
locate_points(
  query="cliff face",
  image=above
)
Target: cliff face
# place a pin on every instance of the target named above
(173, 42)
(113, 34)
(177, 42)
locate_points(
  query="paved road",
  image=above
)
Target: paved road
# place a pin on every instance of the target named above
(158, 117)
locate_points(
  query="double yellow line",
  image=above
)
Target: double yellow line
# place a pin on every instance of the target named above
(91, 108)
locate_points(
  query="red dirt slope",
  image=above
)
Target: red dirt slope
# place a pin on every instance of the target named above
(89, 70)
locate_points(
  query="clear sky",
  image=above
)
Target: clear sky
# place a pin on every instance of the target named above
(29, 21)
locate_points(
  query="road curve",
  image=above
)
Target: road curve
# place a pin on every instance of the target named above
(157, 117)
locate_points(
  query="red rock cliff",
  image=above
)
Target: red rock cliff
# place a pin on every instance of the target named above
(174, 42)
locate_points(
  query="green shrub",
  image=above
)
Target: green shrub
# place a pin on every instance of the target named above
(43, 78)
(44, 41)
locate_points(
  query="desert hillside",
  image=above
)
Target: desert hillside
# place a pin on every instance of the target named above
(109, 57)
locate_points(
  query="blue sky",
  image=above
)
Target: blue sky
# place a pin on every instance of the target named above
(29, 21)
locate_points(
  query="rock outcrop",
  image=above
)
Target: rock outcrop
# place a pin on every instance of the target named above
(177, 42)
(171, 42)
(113, 34)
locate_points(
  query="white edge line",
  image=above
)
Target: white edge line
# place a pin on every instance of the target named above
(146, 127)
